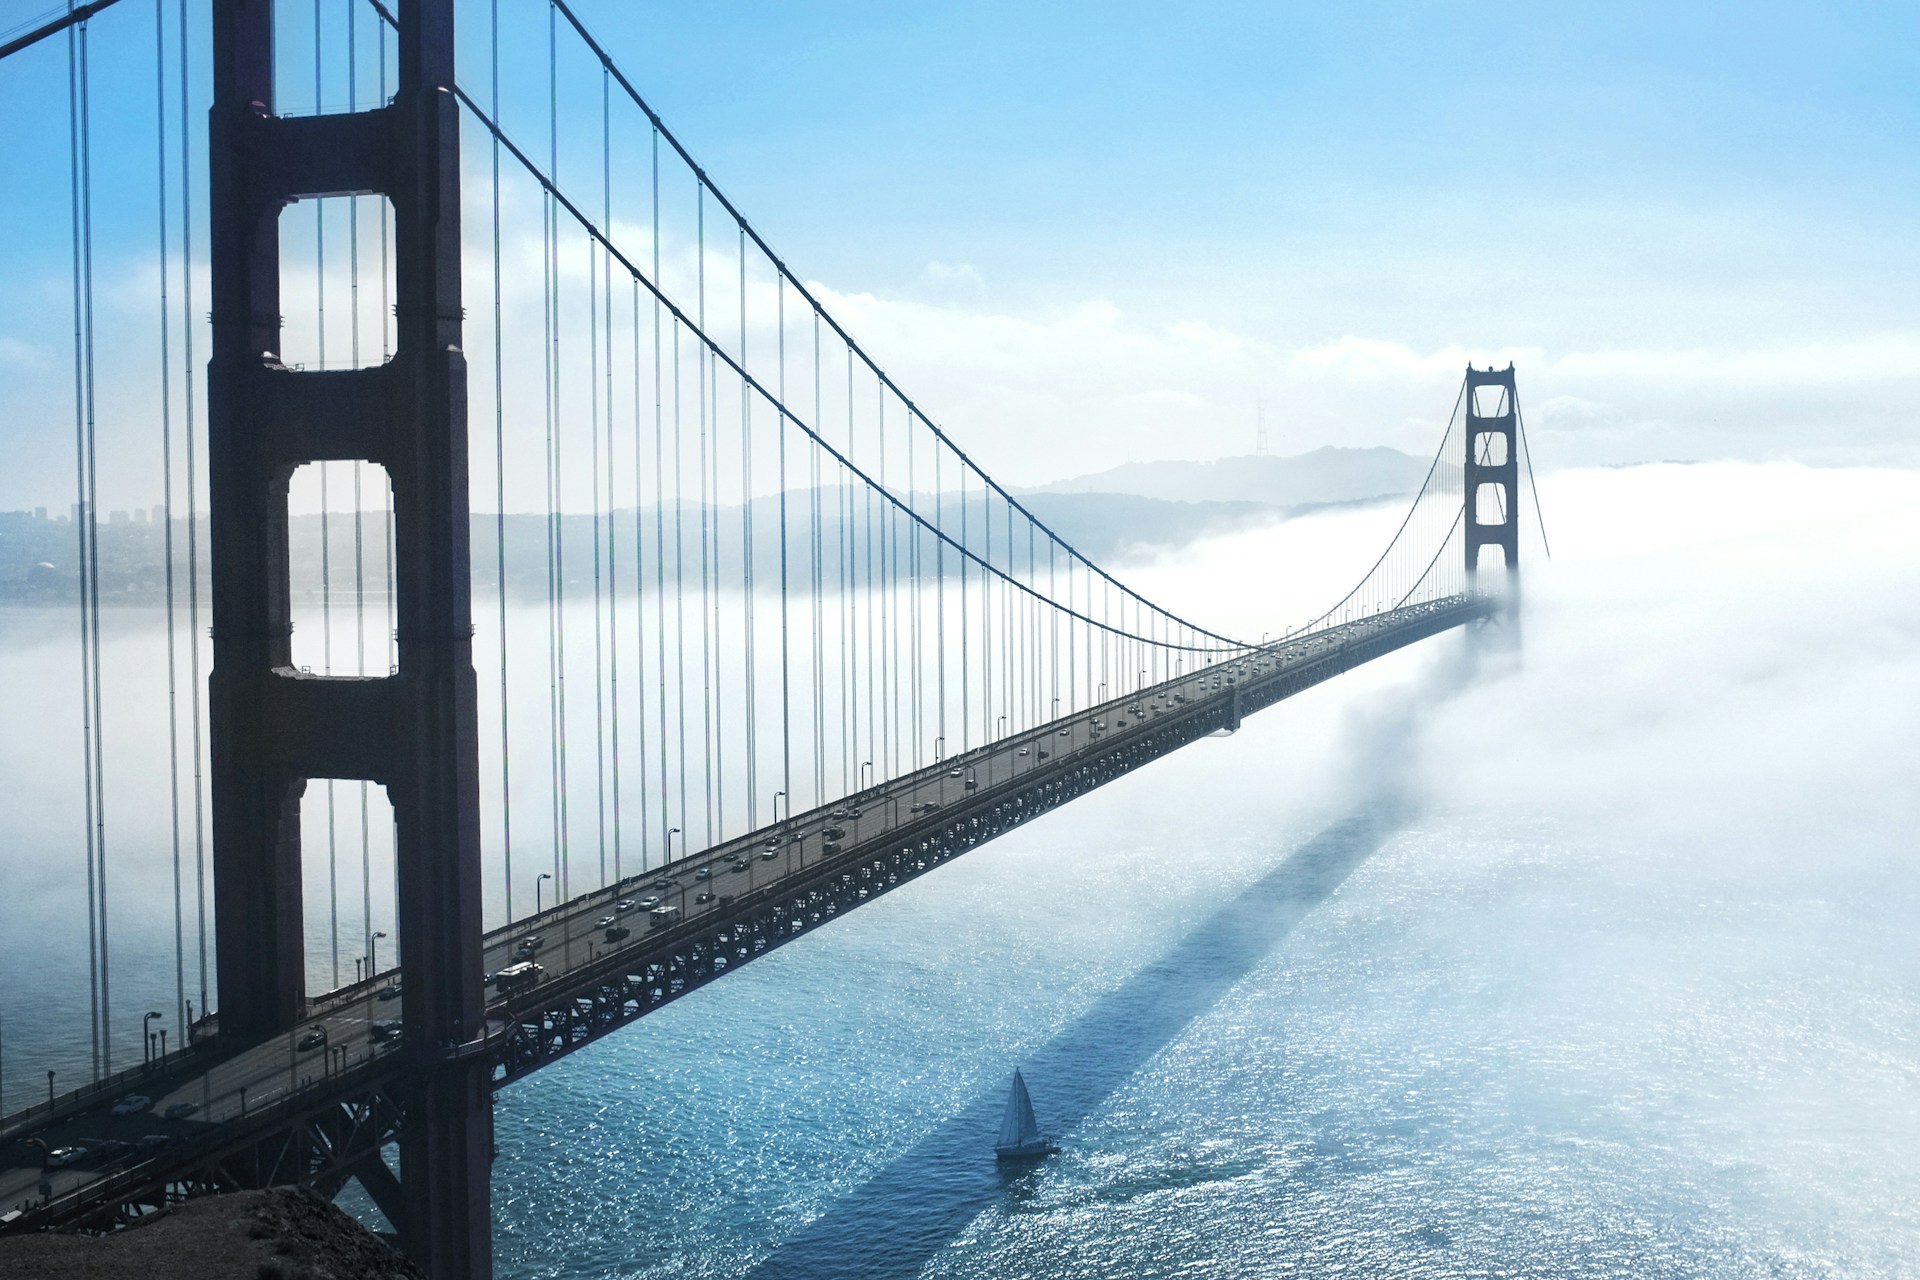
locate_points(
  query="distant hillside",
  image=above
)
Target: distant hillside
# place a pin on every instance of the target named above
(38, 555)
(1309, 479)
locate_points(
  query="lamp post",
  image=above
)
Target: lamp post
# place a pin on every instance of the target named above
(866, 769)
(373, 954)
(671, 833)
(940, 747)
(146, 1037)
(537, 885)
(776, 807)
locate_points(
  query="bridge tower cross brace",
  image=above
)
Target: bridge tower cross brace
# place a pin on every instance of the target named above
(415, 730)
(1493, 472)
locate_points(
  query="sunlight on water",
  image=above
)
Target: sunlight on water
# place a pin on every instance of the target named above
(1595, 964)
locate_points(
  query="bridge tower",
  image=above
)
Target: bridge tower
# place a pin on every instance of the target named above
(1493, 471)
(414, 731)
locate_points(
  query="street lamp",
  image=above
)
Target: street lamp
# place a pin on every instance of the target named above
(373, 954)
(671, 833)
(939, 748)
(147, 1036)
(544, 875)
(776, 807)
(866, 767)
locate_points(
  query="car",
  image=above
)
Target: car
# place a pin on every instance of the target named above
(768, 855)
(703, 897)
(624, 905)
(110, 1150)
(773, 841)
(312, 1040)
(1022, 751)
(742, 868)
(382, 1032)
(180, 1110)
(954, 773)
(651, 901)
(829, 846)
(834, 833)
(530, 944)
(61, 1157)
(155, 1141)
(1043, 754)
(704, 873)
(618, 932)
(1066, 733)
(389, 992)
(840, 813)
(605, 922)
(729, 857)
(854, 811)
(132, 1104)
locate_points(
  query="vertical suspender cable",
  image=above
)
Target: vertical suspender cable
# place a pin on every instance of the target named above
(326, 543)
(500, 494)
(659, 521)
(819, 629)
(613, 576)
(594, 496)
(786, 654)
(193, 513)
(359, 560)
(746, 550)
(166, 510)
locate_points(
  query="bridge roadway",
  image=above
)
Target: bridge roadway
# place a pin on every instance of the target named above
(729, 903)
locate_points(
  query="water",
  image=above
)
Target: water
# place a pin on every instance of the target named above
(1600, 964)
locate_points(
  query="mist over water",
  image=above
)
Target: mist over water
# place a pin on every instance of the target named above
(1593, 962)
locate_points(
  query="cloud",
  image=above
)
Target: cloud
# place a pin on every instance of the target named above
(952, 274)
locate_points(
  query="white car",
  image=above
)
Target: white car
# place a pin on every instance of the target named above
(61, 1157)
(132, 1104)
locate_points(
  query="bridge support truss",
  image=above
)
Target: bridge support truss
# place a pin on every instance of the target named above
(413, 731)
(1493, 473)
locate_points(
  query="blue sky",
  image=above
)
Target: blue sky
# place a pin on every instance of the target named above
(1693, 226)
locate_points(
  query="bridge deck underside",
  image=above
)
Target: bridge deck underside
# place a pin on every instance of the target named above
(320, 1119)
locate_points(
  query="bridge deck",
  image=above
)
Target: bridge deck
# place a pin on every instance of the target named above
(330, 1108)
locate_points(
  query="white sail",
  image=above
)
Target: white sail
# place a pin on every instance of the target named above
(1017, 1125)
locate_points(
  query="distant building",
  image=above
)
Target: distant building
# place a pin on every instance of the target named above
(160, 515)
(119, 517)
(39, 513)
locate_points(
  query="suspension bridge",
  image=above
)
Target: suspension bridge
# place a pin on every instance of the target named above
(827, 652)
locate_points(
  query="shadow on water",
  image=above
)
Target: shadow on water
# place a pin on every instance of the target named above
(918, 1204)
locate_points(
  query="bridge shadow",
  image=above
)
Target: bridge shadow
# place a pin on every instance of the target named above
(922, 1201)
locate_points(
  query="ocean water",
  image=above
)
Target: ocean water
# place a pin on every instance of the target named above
(1590, 959)
(1596, 961)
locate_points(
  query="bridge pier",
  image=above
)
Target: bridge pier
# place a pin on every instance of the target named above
(414, 731)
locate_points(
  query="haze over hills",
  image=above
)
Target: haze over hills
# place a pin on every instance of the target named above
(1325, 475)
(1107, 516)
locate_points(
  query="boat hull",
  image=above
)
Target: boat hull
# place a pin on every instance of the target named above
(1026, 1152)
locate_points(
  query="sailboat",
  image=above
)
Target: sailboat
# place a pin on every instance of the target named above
(1020, 1137)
